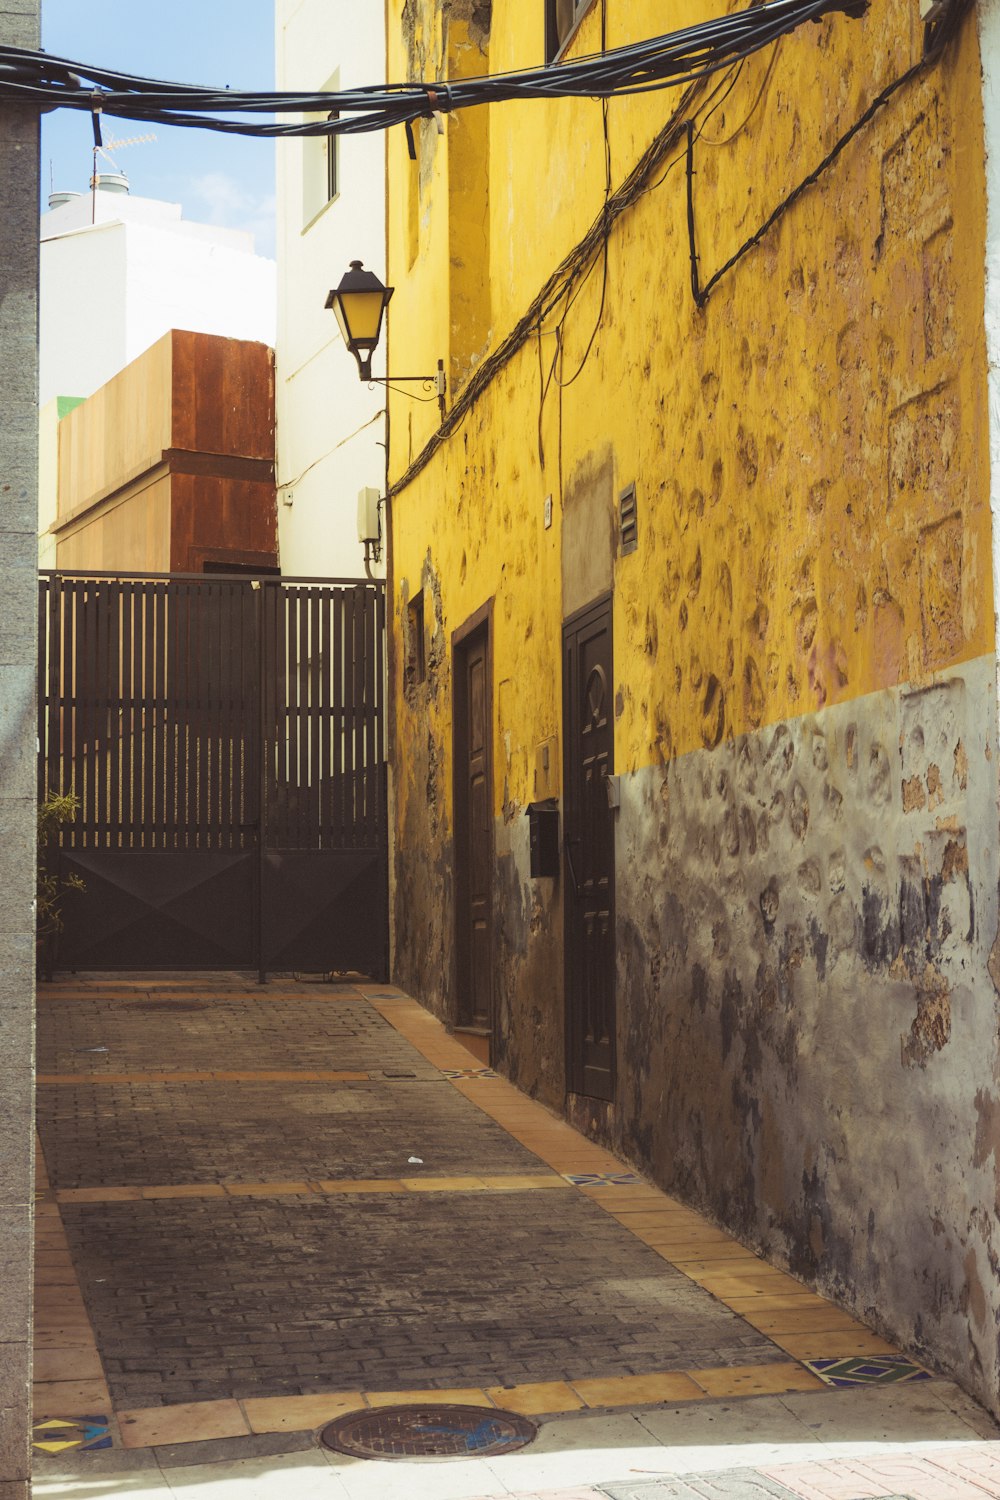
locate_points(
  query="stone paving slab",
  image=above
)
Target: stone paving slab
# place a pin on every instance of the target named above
(199, 1300)
(143, 1134)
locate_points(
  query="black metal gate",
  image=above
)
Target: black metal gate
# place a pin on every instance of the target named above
(224, 737)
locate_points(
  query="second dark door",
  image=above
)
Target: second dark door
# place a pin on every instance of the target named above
(473, 825)
(588, 732)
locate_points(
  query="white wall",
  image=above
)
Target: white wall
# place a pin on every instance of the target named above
(329, 426)
(110, 289)
(82, 311)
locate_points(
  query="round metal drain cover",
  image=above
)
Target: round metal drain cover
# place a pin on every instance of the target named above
(428, 1432)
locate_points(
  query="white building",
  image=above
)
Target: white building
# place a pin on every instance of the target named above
(331, 210)
(118, 272)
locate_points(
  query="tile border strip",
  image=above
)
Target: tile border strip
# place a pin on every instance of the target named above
(181, 1075)
(257, 1415)
(330, 1187)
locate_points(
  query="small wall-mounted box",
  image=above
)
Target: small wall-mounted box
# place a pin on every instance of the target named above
(547, 769)
(543, 835)
(369, 525)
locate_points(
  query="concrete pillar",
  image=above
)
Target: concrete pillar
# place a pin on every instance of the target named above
(19, 160)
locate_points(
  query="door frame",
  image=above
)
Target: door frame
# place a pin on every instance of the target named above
(481, 620)
(603, 604)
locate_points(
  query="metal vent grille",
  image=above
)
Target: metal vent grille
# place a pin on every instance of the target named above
(629, 520)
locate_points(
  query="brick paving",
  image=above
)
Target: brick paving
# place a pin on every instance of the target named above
(290, 1296)
(199, 1300)
(326, 1028)
(143, 1134)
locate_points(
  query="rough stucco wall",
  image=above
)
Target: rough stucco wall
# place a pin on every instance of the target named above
(809, 1026)
(19, 27)
(815, 543)
(422, 891)
(529, 1047)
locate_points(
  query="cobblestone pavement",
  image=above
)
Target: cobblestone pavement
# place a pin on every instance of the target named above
(265, 1208)
(186, 1132)
(288, 1292)
(288, 1296)
(322, 1027)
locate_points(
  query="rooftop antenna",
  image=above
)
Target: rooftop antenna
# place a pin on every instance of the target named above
(112, 145)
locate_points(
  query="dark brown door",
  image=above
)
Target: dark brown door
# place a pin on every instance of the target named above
(473, 826)
(588, 732)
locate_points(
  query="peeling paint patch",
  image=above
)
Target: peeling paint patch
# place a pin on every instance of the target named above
(931, 1029)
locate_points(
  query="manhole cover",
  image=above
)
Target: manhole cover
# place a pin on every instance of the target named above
(435, 1432)
(168, 1005)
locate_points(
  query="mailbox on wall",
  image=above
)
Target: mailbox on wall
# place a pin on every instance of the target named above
(543, 829)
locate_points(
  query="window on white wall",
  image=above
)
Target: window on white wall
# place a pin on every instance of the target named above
(320, 163)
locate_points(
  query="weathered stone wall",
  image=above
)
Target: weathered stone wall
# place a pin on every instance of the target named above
(19, 26)
(808, 1041)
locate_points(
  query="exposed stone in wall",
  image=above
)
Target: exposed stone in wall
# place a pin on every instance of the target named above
(527, 951)
(422, 886)
(807, 1023)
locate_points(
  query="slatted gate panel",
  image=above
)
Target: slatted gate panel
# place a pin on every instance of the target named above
(224, 739)
(325, 864)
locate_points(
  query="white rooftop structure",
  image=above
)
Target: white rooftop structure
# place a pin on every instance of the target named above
(117, 272)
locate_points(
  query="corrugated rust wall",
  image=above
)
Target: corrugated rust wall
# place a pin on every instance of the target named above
(170, 466)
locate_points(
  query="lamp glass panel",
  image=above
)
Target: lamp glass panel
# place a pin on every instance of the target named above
(360, 316)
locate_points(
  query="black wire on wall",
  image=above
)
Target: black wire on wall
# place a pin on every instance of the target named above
(681, 127)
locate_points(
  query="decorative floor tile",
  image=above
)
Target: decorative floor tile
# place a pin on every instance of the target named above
(603, 1179)
(60, 1434)
(468, 1073)
(866, 1370)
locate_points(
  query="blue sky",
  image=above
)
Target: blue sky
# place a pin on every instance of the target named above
(218, 179)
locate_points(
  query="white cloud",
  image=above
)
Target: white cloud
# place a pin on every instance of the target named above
(222, 199)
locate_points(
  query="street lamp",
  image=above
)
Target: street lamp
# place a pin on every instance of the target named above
(359, 303)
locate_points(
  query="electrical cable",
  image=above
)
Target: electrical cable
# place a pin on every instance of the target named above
(672, 60)
(937, 35)
(728, 139)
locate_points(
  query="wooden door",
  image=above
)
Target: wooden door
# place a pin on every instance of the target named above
(588, 738)
(473, 825)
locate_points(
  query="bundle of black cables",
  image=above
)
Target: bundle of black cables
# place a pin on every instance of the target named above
(36, 79)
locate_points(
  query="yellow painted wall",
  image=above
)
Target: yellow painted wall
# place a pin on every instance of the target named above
(802, 926)
(809, 451)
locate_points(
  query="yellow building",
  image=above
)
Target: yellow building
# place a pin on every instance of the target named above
(712, 578)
